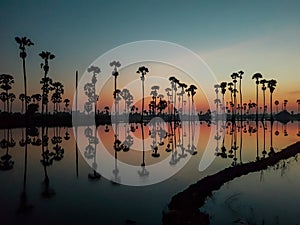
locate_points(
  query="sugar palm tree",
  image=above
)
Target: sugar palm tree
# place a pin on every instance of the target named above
(67, 103)
(276, 103)
(263, 82)
(223, 86)
(193, 89)
(90, 88)
(217, 100)
(234, 77)
(3, 98)
(298, 102)
(240, 76)
(23, 43)
(46, 56)
(22, 99)
(56, 97)
(6, 82)
(257, 76)
(271, 85)
(11, 98)
(284, 104)
(143, 71)
(154, 94)
(182, 86)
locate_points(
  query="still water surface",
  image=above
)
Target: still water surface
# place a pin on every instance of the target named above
(72, 197)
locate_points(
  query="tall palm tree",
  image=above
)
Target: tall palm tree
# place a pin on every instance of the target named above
(143, 71)
(234, 77)
(217, 100)
(223, 86)
(240, 76)
(193, 89)
(6, 82)
(23, 43)
(46, 56)
(263, 82)
(257, 76)
(271, 85)
(182, 86)
(154, 94)
(90, 88)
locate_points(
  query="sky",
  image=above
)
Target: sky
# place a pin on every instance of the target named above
(253, 36)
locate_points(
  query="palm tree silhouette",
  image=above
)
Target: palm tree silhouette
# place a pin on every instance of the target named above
(271, 85)
(240, 76)
(192, 88)
(56, 97)
(182, 86)
(3, 98)
(284, 104)
(23, 43)
(36, 98)
(6, 82)
(11, 98)
(67, 103)
(257, 76)
(22, 99)
(298, 102)
(264, 88)
(234, 77)
(46, 56)
(143, 71)
(217, 100)
(276, 103)
(90, 88)
(154, 94)
(223, 86)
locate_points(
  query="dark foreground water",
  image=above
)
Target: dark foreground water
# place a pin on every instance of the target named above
(67, 192)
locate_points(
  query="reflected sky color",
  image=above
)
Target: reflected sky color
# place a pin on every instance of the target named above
(229, 36)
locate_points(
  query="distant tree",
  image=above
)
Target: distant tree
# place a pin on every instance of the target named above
(3, 98)
(67, 103)
(56, 98)
(276, 103)
(6, 82)
(11, 98)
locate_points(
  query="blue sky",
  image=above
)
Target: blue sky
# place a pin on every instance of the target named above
(228, 35)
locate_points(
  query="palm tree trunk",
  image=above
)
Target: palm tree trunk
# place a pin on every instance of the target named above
(256, 102)
(271, 95)
(25, 84)
(143, 101)
(241, 99)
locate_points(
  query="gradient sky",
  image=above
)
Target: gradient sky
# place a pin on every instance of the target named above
(254, 36)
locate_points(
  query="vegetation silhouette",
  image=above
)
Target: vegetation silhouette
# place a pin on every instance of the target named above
(185, 206)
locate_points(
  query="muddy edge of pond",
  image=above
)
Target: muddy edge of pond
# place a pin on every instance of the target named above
(184, 206)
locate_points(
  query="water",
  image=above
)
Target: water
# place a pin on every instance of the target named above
(72, 198)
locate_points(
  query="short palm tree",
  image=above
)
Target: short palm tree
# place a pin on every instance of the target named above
(6, 82)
